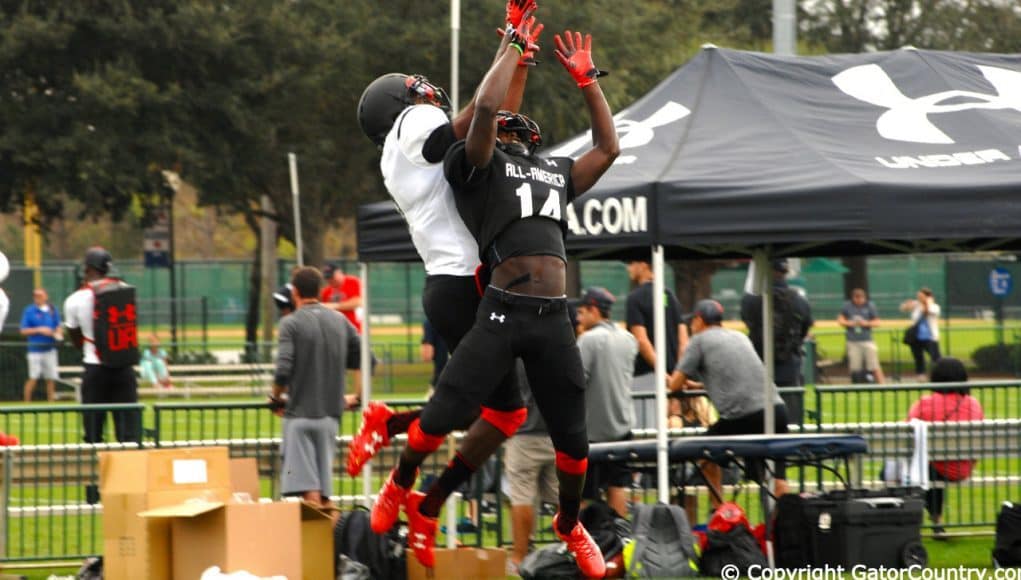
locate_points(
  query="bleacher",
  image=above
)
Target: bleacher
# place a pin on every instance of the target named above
(189, 380)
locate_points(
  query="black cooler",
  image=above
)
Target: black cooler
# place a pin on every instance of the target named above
(849, 529)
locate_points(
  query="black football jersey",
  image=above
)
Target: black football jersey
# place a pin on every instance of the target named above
(510, 188)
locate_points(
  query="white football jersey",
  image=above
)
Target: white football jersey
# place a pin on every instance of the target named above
(424, 197)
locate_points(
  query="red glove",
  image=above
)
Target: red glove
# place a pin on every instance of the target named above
(523, 37)
(516, 10)
(532, 45)
(577, 58)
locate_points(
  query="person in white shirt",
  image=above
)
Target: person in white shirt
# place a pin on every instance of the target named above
(408, 118)
(925, 325)
(100, 383)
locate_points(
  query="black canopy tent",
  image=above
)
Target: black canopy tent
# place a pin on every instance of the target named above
(739, 153)
(903, 151)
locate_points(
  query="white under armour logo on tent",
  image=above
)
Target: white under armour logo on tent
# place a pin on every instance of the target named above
(907, 118)
(494, 316)
(632, 133)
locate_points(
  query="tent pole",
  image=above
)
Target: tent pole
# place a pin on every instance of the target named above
(659, 339)
(365, 364)
(765, 271)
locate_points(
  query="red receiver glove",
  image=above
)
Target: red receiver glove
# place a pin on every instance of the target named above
(516, 10)
(523, 38)
(577, 58)
(528, 56)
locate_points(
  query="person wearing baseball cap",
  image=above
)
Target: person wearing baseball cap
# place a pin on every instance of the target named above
(607, 355)
(725, 362)
(792, 319)
(284, 300)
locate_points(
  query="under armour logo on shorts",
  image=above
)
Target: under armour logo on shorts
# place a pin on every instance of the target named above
(495, 316)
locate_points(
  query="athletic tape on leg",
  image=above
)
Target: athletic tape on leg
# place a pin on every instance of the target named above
(568, 464)
(421, 441)
(507, 422)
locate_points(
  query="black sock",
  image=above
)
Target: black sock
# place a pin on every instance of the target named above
(407, 467)
(457, 472)
(568, 517)
(400, 422)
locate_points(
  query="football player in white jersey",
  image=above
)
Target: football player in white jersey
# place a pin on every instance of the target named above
(408, 118)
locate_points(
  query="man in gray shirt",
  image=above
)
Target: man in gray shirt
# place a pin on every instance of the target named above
(607, 355)
(732, 374)
(859, 316)
(316, 345)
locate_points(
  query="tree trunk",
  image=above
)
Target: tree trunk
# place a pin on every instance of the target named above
(254, 291)
(857, 275)
(693, 281)
(313, 232)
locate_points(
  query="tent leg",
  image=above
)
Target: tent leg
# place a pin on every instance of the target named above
(659, 339)
(366, 366)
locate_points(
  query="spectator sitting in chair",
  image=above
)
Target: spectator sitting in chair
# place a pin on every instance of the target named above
(153, 365)
(946, 404)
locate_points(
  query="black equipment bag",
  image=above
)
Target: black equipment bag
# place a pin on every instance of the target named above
(1007, 551)
(736, 547)
(115, 323)
(850, 528)
(552, 562)
(384, 554)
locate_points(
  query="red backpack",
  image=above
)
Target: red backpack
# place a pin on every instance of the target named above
(114, 323)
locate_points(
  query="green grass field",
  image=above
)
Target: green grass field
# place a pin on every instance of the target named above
(406, 378)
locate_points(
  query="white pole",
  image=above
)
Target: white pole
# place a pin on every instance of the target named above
(765, 271)
(784, 28)
(659, 339)
(455, 49)
(292, 159)
(366, 365)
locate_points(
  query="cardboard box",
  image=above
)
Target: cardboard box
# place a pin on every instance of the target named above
(461, 564)
(265, 538)
(135, 481)
(244, 477)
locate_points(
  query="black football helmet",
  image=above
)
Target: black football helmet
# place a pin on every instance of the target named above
(526, 129)
(390, 94)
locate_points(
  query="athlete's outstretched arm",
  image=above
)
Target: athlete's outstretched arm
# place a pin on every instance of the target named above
(516, 9)
(481, 138)
(576, 56)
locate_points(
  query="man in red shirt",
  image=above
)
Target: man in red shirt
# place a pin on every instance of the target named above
(343, 293)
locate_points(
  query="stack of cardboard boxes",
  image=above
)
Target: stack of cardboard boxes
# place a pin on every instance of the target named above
(170, 514)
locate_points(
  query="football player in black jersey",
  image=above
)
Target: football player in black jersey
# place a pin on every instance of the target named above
(407, 117)
(514, 204)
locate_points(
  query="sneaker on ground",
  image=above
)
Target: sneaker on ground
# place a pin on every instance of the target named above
(421, 531)
(586, 551)
(388, 505)
(371, 437)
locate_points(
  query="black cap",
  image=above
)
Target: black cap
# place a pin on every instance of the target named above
(710, 311)
(780, 265)
(328, 270)
(98, 259)
(597, 297)
(282, 297)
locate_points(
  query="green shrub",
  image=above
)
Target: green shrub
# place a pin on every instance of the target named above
(997, 358)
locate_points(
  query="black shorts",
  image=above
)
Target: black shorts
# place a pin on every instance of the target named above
(450, 304)
(510, 326)
(754, 424)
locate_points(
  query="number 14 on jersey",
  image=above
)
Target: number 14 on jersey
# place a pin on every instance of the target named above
(550, 208)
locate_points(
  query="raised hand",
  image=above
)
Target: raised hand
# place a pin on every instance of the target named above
(530, 46)
(576, 56)
(523, 36)
(516, 10)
